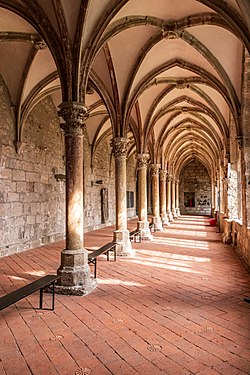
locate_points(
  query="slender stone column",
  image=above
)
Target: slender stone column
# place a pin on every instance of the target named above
(177, 209)
(155, 197)
(163, 197)
(74, 268)
(121, 234)
(173, 198)
(213, 197)
(169, 212)
(143, 224)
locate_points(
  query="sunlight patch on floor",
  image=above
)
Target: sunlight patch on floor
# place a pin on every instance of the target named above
(184, 258)
(175, 266)
(37, 273)
(16, 278)
(119, 282)
(182, 243)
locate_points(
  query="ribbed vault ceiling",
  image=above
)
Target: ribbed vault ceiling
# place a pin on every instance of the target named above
(165, 73)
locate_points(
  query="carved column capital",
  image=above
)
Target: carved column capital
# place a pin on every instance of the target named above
(119, 147)
(142, 160)
(163, 174)
(74, 114)
(155, 169)
(169, 178)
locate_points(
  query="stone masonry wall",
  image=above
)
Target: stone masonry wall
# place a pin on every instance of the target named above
(32, 201)
(131, 183)
(194, 178)
(101, 171)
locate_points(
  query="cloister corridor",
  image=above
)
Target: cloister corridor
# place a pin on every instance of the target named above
(175, 308)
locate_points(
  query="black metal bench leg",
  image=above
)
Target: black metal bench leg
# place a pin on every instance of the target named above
(41, 299)
(53, 296)
(95, 268)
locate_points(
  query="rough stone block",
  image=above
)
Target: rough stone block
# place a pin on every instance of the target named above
(18, 175)
(16, 208)
(13, 197)
(32, 177)
(5, 174)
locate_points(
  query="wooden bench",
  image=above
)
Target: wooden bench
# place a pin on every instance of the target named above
(47, 281)
(135, 234)
(105, 249)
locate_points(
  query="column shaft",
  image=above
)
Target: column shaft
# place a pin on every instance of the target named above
(169, 212)
(163, 196)
(143, 224)
(155, 197)
(177, 209)
(121, 234)
(173, 198)
(74, 269)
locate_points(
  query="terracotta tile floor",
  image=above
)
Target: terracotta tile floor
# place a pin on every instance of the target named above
(175, 308)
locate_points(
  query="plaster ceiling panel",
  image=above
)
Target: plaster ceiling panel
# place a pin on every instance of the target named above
(165, 9)
(160, 125)
(49, 11)
(168, 50)
(43, 65)
(11, 71)
(176, 93)
(217, 99)
(214, 127)
(71, 13)
(99, 108)
(100, 67)
(9, 21)
(96, 9)
(147, 98)
(52, 84)
(92, 99)
(227, 49)
(177, 72)
(57, 98)
(128, 44)
(92, 125)
(106, 126)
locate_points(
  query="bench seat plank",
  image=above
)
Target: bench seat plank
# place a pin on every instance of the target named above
(26, 290)
(105, 249)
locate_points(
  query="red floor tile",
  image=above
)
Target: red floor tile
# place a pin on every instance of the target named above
(176, 308)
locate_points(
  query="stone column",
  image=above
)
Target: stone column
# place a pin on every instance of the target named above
(244, 146)
(213, 197)
(74, 269)
(155, 197)
(177, 209)
(121, 234)
(163, 197)
(143, 224)
(173, 198)
(169, 212)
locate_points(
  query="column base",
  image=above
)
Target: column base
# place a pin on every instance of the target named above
(157, 223)
(123, 243)
(227, 233)
(170, 216)
(164, 218)
(174, 213)
(177, 210)
(143, 226)
(75, 273)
